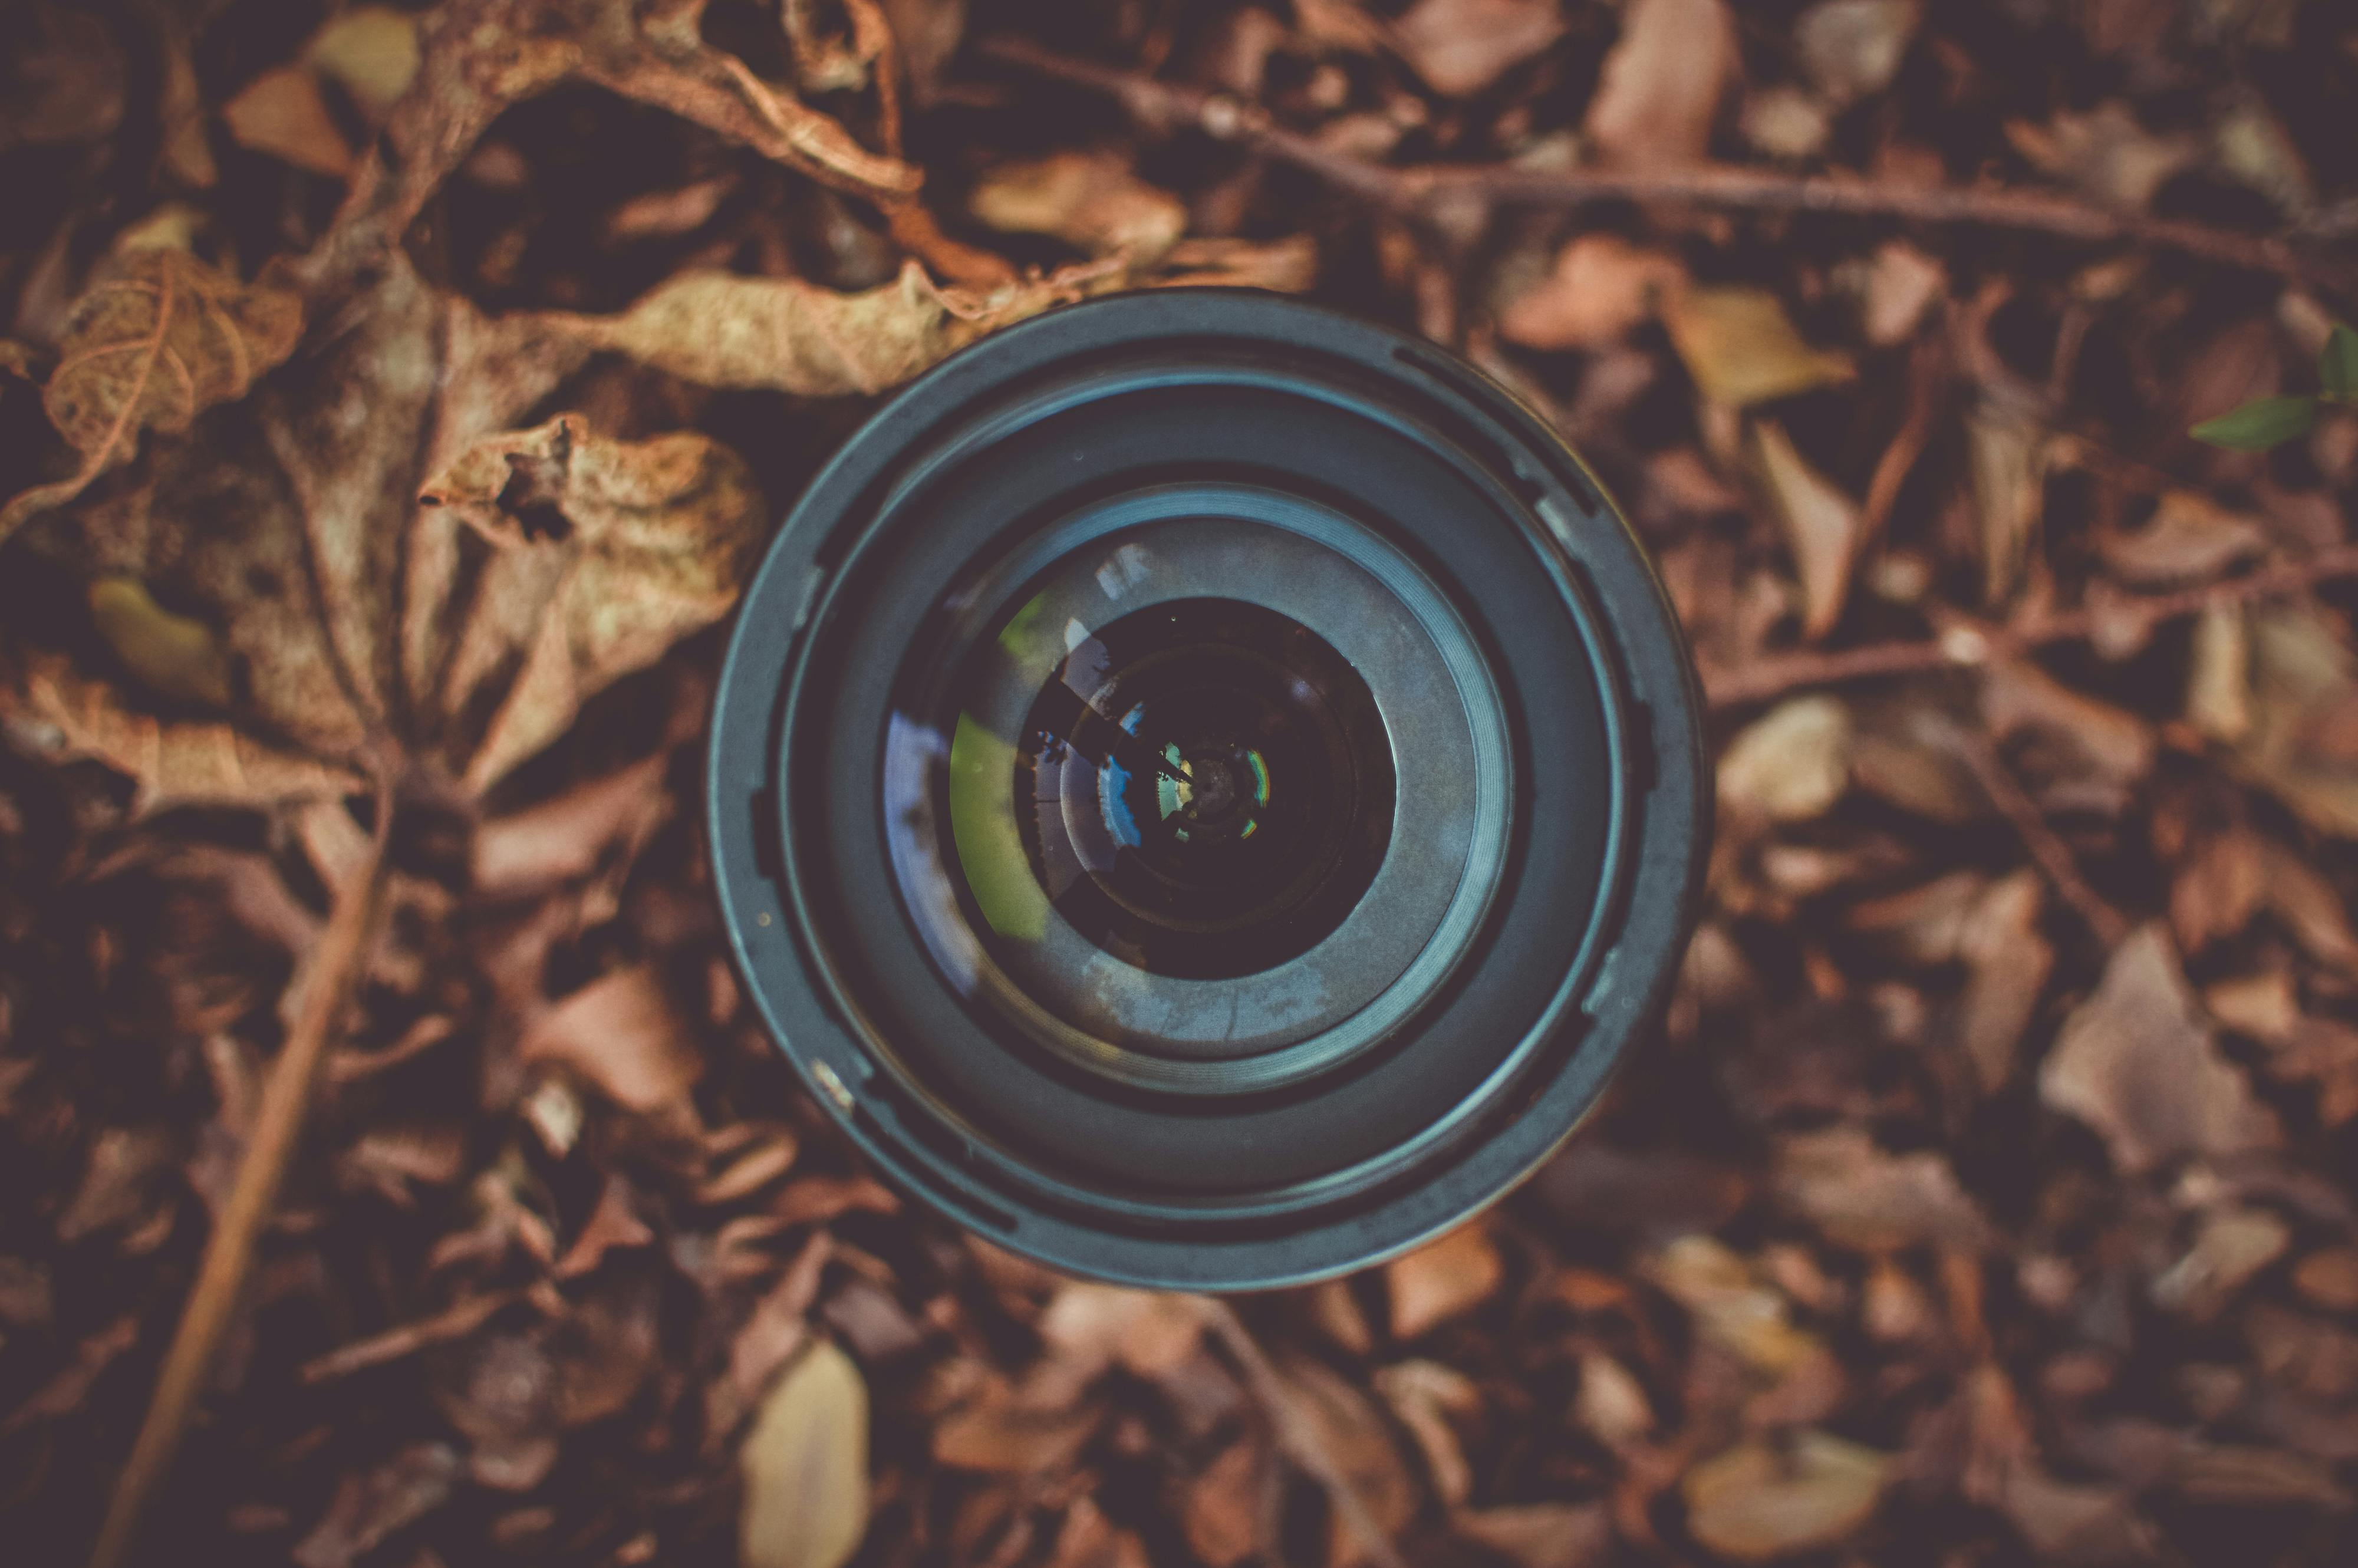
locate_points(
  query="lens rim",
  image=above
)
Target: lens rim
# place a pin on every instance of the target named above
(1655, 841)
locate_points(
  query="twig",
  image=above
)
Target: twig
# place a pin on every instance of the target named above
(1165, 107)
(406, 1339)
(1966, 643)
(2054, 857)
(1296, 1438)
(327, 984)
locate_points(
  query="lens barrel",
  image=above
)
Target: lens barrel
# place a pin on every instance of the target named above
(1205, 789)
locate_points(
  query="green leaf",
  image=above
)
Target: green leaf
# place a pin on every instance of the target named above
(2337, 364)
(2260, 424)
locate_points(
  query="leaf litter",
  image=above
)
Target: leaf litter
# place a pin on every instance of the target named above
(362, 437)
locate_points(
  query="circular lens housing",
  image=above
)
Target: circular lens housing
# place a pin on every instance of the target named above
(1205, 789)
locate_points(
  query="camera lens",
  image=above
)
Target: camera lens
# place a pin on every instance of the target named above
(1205, 789)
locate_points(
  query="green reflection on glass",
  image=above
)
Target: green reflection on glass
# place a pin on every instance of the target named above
(982, 822)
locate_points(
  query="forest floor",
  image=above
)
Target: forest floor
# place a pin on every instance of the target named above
(1987, 1196)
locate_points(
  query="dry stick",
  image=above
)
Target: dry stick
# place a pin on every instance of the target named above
(328, 986)
(1296, 1438)
(1966, 643)
(1162, 106)
(2054, 855)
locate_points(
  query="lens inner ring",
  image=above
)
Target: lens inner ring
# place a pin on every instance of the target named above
(1446, 726)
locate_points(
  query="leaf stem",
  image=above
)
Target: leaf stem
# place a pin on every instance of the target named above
(327, 987)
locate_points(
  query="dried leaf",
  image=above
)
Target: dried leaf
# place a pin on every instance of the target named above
(368, 1508)
(1732, 1307)
(2304, 700)
(1611, 1406)
(806, 1467)
(2104, 152)
(2190, 538)
(1461, 47)
(1761, 1500)
(1850, 49)
(1901, 283)
(1858, 1195)
(1790, 765)
(281, 114)
(786, 335)
(621, 1033)
(2009, 456)
(1822, 525)
(607, 553)
(1599, 288)
(370, 51)
(1442, 1278)
(155, 343)
(530, 850)
(1662, 84)
(1326, 1415)
(2233, 1245)
(1741, 348)
(1091, 201)
(1543, 1535)
(2136, 1062)
(2008, 963)
(1426, 1395)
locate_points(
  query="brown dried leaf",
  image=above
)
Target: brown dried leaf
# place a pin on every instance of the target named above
(1860, 1196)
(1761, 1500)
(1543, 1535)
(1662, 81)
(621, 1033)
(1822, 525)
(2009, 456)
(155, 342)
(2136, 1062)
(2190, 538)
(607, 553)
(1730, 1307)
(1850, 49)
(371, 52)
(2105, 152)
(281, 114)
(369, 1508)
(1460, 46)
(1091, 201)
(1224, 1509)
(1442, 1278)
(1788, 765)
(1426, 1395)
(2008, 963)
(1326, 1415)
(1741, 348)
(1599, 288)
(558, 840)
(786, 335)
(68, 715)
(2303, 717)
(806, 1467)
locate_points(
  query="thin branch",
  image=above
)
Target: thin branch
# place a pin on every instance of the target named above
(1165, 107)
(409, 1338)
(327, 984)
(1966, 643)
(2054, 857)
(1297, 1437)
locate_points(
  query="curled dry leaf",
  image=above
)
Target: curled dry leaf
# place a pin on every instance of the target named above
(2190, 538)
(1762, 1499)
(1741, 348)
(806, 1467)
(1790, 765)
(785, 335)
(606, 553)
(1661, 84)
(1460, 46)
(1822, 525)
(1091, 201)
(159, 339)
(1599, 288)
(2105, 152)
(2138, 1062)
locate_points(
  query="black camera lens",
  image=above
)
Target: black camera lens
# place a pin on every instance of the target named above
(1205, 789)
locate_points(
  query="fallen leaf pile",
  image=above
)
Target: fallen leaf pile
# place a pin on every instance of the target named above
(395, 397)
